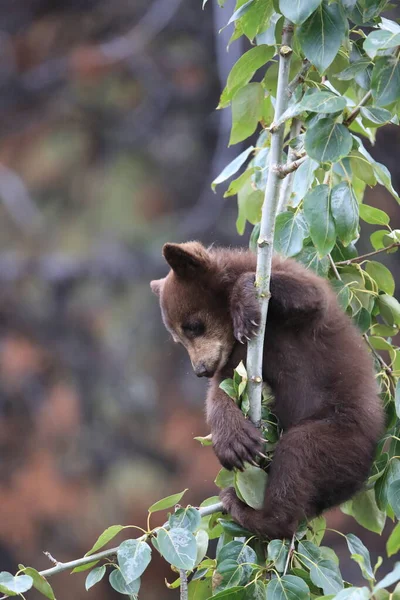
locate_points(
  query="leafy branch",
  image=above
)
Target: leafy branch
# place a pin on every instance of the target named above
(363, 257)
(266, 236)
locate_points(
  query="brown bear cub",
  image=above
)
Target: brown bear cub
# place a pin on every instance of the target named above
(315, 362)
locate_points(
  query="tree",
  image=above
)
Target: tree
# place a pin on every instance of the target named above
(331, 78)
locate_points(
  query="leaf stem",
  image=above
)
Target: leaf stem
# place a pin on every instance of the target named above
(267, 226)
(355, 112)
(344, 263)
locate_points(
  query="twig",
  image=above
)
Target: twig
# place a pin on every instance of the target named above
(287, 185)
(72, 564)
(265, 241)
(365, 336)
(344, 263)
(51, 558)
(290, 554)
(290, 167)
(354, 113)
(299, 78)
(184, 585)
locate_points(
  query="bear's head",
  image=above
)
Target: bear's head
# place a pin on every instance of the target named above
(195, 306)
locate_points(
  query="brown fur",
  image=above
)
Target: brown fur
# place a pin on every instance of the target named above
(314, 360)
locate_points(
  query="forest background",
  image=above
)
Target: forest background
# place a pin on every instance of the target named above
(108, 144)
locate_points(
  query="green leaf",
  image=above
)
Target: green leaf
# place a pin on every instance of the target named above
(375, 117)
(298, 11)
(309, 554)
(354, 69)
(382, 174)
(391, 474)
(228, 387)
(326, 575)
(382, 276)
(390, 579)
(385, 80)
(316, 530)
(240, 11)
(94, 577)
(247, 106)
(303, 180)
(85, 567)
(233, 529)
(342, 292)
(40, 583)
(373, 216)
(278, 551)
(178, 547)
(397, 398)
(167, 502)
(256, 590)
(309, 257)
(318, 102)
(356, 547)
(187, 518)
(233, 167)
(364, 509)
(393, 543)
(225, 479)
(244, 69)
(251, 485)
(238, 183)
(200, 589)
(393, 496)
(288, 587)
(12, 586)
(119, 584)
(362, 319)
(353, 593)
(389, 309)
(327, 141)
(202, 540)
(345, 212)
(377, 239)
(233, 593)
(380, 40)
(204, 440)
(290, 232)
(133, 558)
(105, 537)
(317, 211)
(321, 35)
(230, 574)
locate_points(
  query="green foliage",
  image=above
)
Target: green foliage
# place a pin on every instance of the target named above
(345, 64)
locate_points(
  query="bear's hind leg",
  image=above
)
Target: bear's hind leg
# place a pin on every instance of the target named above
(316, 465)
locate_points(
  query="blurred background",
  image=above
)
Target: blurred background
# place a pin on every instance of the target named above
(108, 143)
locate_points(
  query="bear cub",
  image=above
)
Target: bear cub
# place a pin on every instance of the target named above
(314, 360)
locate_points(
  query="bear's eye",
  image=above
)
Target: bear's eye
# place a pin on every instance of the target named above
(193, 328)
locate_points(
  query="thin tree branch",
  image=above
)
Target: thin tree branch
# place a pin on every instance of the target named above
(300, 77)
(290, 167)
(85, 560)
(184, 585)
(265, 241)
(290, 553)
(354, 113)
(292, 161)
(357, 259)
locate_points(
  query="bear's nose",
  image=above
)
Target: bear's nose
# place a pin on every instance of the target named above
(200, 369)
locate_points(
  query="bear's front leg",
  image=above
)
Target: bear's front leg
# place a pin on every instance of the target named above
(235, 439)
(244, 307)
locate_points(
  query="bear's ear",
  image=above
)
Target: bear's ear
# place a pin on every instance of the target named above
(156, 286)
(187, 260)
